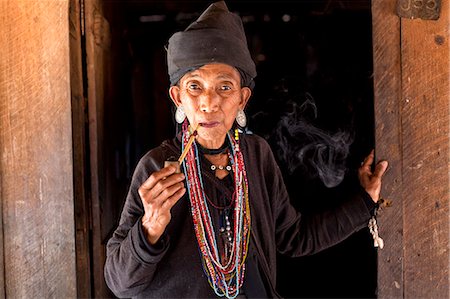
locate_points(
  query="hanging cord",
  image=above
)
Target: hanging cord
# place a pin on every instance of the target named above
(373, 225)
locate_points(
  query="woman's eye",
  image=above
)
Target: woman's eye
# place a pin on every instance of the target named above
(193, 86)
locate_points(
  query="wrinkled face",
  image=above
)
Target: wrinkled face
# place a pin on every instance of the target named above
(211, 97)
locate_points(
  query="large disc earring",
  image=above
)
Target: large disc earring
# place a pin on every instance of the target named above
(241, 119)
(180, 115)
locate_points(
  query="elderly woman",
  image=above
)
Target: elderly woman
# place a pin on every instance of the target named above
(214, 228)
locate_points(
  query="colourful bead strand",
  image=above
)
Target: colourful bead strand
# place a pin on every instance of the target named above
(225, 279)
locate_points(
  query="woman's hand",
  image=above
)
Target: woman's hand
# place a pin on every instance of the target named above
(159, 193)
(371, 181)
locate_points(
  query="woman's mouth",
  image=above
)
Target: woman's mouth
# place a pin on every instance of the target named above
(209, 124)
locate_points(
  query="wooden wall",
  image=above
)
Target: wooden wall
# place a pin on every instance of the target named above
(412, 99)
(37, 211)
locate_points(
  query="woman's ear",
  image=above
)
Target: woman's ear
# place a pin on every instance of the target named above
(174, 92)
(245, 96)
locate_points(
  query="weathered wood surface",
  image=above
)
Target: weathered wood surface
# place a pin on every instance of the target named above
(387, 94)
(97, 43)
(79, 125)
(36, 150)
(423, 9)
(411, 60)
(425, 129)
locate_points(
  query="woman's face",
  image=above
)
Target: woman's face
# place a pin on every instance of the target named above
(211, 97)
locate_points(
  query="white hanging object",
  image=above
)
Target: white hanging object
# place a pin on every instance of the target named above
(180, 115)
(241, 118)
(373, 227)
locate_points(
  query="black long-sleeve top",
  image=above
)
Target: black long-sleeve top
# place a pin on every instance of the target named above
(172, 268)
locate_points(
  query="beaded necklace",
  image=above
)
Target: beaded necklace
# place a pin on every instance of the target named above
(225, 275)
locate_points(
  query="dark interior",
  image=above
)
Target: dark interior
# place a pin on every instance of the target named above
(313, 58)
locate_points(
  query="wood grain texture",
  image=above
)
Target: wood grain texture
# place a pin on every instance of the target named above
(411, 62)
(81, 179)
(388, 139)
(425, 124)
(96, 56)
(36, 150)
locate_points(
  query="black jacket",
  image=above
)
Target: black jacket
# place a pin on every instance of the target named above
(173, 268)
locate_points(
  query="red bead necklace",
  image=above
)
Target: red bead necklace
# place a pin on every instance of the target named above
(225, 273)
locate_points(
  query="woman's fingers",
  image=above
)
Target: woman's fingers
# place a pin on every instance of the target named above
(371, 181)
(167, 193)
(158, 176)
(173, 199)
(380, 169)
(163, 187)
(160, 188)
(368, 161)
(158, 194)
(160, 183)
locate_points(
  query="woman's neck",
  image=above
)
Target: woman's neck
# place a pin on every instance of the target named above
(216, 152)
(211, 144)
(219, 160)
(213, 151)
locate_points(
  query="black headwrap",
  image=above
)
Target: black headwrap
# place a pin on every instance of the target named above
(216, 36)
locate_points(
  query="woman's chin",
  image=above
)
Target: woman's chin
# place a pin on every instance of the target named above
(208, 136)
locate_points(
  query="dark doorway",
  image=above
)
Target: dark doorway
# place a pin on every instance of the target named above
(313, 55)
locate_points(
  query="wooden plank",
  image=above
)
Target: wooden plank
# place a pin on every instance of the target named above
(2, 265)
(36, 150)
(2, 254)
(427, 10)
(388, 139)
(425, 123)
(97, 41)
(82, 210)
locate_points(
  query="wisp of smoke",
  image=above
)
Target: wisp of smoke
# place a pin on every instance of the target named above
(301, 144)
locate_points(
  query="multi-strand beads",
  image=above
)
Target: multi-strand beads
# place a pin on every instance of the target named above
(224, 275)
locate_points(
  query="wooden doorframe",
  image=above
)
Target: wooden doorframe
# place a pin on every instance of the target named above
(89, 53)
(412, 96)
(80, 143)
(95, 57)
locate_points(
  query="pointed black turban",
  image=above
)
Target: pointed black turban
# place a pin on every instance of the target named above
(217, 36)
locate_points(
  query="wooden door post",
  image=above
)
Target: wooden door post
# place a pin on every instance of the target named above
(36, 186)
(412, 111)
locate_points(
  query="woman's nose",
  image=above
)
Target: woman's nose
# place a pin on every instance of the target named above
(209, 101)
